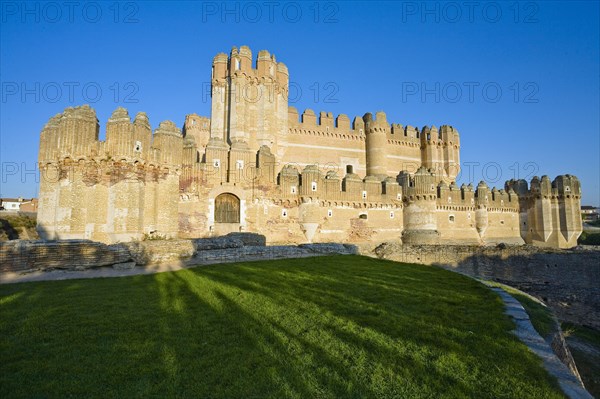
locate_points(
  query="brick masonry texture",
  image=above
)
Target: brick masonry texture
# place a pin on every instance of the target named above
(22, 256)
(17, 255)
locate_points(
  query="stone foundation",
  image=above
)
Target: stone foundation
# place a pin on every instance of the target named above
(18, 255)
(24, 256)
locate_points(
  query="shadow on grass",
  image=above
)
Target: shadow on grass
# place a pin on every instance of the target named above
(318, 327)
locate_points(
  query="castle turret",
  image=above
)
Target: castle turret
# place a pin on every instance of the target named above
(451, 151)
(119, 135)
(352, 183)
(142, 136)
(481, 213)
(289, 181)
(49, 140)
(431, 151)
(266, 166)
(283, 76)
(49, 178)
(518, 186)
(189, 164)
(266, 65)
(373, 188)
(312, 188)
(169, 140)
(312, 182)
(549, 211)
(419, 195)
(190, 152)
(568, 191)
(392, 189)
(240, 60)
(197, 127)
(219, 98)
(249, 106)
(219, 66)
(376, 144)
(77, 133)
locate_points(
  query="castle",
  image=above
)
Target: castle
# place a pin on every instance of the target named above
(257, 166)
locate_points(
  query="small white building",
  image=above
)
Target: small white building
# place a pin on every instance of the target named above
(590, 213)
(13, 204)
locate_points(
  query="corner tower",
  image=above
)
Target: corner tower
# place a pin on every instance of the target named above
(376, 131)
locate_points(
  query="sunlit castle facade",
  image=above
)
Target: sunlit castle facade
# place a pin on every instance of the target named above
(257, 165)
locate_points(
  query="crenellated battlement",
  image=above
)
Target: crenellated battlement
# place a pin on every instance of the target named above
(340, 126)
(550, 214)
(312, 184)
(563, 186)
(74, 135)
(325, 125)
(239, 63)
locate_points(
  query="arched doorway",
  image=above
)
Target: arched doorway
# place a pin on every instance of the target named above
(227, 208)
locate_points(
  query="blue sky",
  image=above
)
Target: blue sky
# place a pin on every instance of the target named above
(520, 81)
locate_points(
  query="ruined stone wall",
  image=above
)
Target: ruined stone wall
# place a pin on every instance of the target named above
(20, 255)
(567, 280)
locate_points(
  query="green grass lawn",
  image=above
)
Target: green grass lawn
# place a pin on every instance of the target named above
(328, 327)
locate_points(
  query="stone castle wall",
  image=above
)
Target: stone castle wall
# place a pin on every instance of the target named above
(294, 178)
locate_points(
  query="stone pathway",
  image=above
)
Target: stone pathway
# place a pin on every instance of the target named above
(529, 336)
